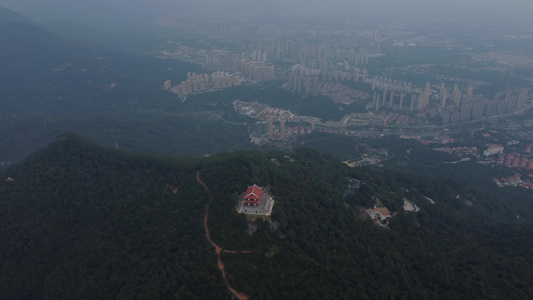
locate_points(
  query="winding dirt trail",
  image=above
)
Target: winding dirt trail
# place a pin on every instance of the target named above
(218, 249)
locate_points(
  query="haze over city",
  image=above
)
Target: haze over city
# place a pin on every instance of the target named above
(485, 11)
(247, 149)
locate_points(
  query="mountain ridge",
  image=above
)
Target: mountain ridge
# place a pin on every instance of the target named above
(7, 15)
(137, 220)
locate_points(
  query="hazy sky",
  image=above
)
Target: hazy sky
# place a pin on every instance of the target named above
(495, 10)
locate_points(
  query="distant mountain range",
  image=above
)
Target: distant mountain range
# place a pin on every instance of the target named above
(65, 77)
(7, 15)
(101, 14)
(32, 53)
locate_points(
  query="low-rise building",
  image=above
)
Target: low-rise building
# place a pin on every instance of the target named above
(493, 149)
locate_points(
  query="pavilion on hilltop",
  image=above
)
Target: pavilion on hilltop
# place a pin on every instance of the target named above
(253, 196)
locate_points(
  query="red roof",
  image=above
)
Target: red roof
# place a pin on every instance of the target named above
(254, 193)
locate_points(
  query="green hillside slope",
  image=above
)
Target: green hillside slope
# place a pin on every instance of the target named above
(78, 221)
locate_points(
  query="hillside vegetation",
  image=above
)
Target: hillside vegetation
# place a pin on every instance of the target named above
(82, 222)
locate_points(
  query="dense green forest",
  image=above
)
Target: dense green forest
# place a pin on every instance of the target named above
(81, 222)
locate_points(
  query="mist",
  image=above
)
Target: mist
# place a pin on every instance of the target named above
(116, 12)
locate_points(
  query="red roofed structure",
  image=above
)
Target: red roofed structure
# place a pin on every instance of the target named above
(253, 195)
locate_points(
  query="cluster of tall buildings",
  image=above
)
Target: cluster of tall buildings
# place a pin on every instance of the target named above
(223, 80)
(252, 64)
(281, 132)
(258, 55)
(317, 57)
(194, 83)
(293, 44)
(392, 93)
(253, 70)
(309, 86)
(474, 107)
(384, 83)
(471, 108)
(258, 72)
(357, 57)
(451, 107)
(390, 99)
(276, 48)
(312, 68)
(221, 61)
(304, 80)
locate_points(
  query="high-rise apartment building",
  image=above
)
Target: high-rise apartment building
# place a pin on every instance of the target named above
(282, 129)
(470, 91)
(456, 95)
(522, 99)
(442, 96)
(423, 101)
(270, 128)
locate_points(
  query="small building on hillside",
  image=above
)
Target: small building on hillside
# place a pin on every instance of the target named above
(256, 201)
(253, 195)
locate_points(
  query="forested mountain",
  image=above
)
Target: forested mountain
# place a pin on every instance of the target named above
(79, 221)
(121, 42)
(52, 75)
(53, 83)
(83, 223)
(7, 15)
